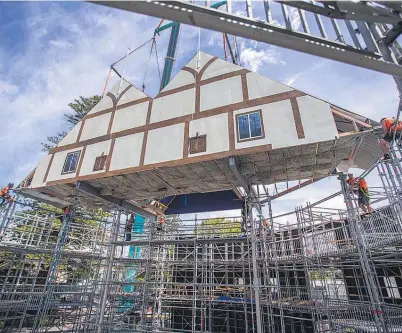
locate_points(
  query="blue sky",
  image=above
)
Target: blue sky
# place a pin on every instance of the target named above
(54, 52)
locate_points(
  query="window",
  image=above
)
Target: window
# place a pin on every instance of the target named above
(70, 165)
(249, 126)
(100, 162)
(198, 144)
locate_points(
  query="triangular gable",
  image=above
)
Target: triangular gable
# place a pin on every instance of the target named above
(122, 92)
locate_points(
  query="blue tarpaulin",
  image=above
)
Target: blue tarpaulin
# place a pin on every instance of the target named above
(234, 299)
(202, 202)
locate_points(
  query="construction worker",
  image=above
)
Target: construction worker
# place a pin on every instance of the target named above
(5, 194)
(161, 222)
(389, 127)
(129, 228)
(359, 186)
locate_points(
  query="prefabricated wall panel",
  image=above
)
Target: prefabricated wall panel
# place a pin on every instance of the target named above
(205, 99)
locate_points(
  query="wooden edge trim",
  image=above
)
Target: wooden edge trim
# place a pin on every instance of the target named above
(93, 115)
(297, 118)
(135, 102)
(274, 98)
(190, 70)
(79, 133)
(123, 92)
(339, 113)
(175, 90)
(244, 87)
(197, 99)
(113, 97)
(143, 148)
(188, 160)
(119, 107)
(109, 156)
(203, 69)
(231, 131)
(262, 136)
(225, 76)
(241, 72)
(174, 121)
(186, 139)
(81, 160)
(148, 120)
(203, 82)
(109, 128)
(48, 168)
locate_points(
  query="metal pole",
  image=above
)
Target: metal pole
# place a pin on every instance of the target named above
(372, 289)
(113, 238)
(256, 282)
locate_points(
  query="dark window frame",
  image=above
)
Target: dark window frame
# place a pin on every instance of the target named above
(192, 149)
(100, 162)
(76, 165)
(262, 136)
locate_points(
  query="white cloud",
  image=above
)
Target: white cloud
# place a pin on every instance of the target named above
(255, 58)
(294, 18)
(84, 44)
(8, 88)
(291, 79)
(63, 44)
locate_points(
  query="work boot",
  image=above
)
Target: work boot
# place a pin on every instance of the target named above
(386, 158)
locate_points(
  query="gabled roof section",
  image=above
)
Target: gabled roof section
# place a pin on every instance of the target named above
(204, 68)
(122, 93)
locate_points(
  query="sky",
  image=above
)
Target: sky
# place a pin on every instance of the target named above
(53, 52)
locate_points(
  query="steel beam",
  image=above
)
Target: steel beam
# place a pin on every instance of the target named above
(118, 203)
(244, 183)
(349, 11)
(207, 18)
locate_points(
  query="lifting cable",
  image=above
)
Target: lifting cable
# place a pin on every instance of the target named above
(224, 46)
(107, 80)
(157, 62)
(132, 52)
(149, 59)
(126, 56)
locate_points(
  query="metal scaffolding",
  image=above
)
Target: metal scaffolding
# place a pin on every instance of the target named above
(324, 270)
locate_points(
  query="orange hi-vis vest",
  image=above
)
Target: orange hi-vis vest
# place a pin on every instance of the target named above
(363, 185)
(358, 182)
(391, 126)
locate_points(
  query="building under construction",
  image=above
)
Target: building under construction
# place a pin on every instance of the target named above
(209, 141)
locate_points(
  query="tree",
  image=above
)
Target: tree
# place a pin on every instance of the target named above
(80, 108)
(219, 226)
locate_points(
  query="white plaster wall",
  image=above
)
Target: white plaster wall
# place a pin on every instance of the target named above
(216, 129)
(204, 58)
(181, 79)
(119, 87)
(165, 144)
(130, 117)
(221, 93)
(219, 67)
(71, 136)
(105, 103)
(130, 95)
(58, 163)
(279, 126)
(172, 106)
(91, 153)
(260, 86)
(40, 171)
(95, 127)
(317, 119)
(127, 151)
